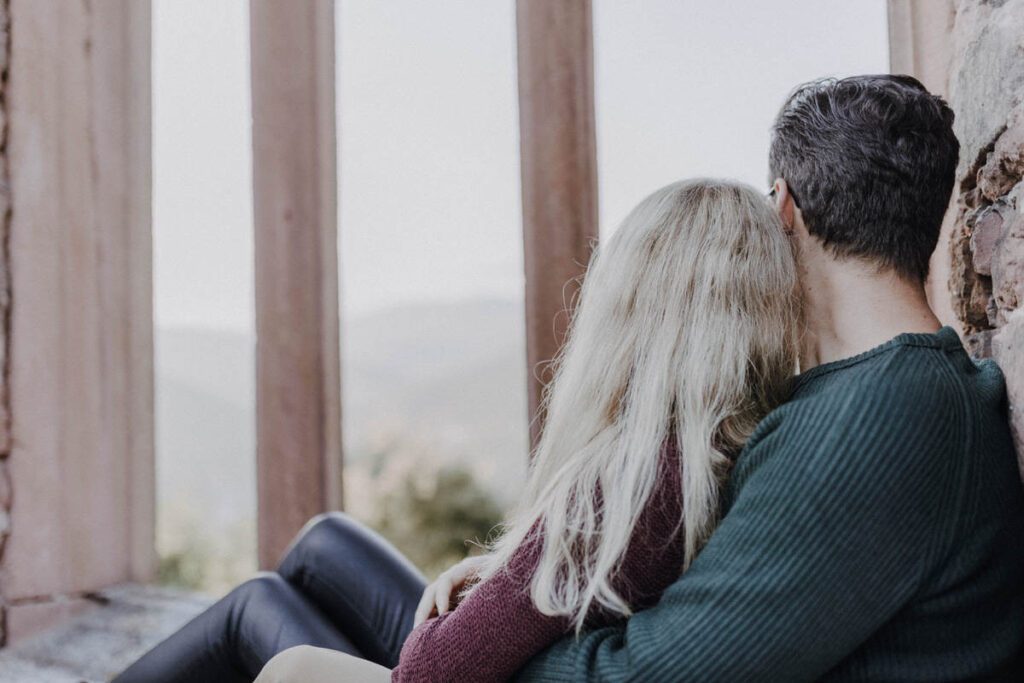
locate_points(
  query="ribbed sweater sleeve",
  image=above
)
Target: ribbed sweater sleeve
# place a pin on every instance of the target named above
(497, 628)
(835, 518)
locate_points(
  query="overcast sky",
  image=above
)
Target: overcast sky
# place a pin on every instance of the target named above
(428, 158)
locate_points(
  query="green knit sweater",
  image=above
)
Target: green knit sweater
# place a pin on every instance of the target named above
(875, 532)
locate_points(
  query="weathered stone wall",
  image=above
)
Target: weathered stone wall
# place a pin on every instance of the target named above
(5, 298)
(986, 90)
(76, 388)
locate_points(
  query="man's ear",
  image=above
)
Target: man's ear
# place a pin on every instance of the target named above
(785, 205)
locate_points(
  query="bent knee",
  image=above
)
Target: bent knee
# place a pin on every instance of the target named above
(325, 534)
(264, 588)
(327, 529)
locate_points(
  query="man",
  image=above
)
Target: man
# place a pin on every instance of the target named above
(875, 530)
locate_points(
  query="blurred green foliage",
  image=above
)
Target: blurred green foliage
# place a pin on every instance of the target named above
(435, 514)
(183, 568)
(438, 518)
(205, 557)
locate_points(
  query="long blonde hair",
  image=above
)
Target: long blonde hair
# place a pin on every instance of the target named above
(687, 326)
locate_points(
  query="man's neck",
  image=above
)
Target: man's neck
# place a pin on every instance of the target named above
(851, 307)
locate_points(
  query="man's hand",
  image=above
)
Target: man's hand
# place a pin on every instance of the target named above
(437, 597)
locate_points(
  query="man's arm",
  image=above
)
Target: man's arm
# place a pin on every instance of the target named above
(829, 536)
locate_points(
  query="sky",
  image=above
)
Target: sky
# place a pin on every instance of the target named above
(428, 140)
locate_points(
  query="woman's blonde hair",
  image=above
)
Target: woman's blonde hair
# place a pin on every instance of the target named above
(686, 326)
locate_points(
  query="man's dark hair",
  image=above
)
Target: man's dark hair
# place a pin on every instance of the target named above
(870, 161)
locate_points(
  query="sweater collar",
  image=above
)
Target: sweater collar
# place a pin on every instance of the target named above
(946, 338)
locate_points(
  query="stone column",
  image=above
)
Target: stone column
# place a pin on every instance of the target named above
(921, 45)
(919, 41)
(298, 389)
(75, 305)
(559, 173)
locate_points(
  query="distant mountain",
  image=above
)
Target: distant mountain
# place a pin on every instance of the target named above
(453, 375)
(441, 382)
(205, 420)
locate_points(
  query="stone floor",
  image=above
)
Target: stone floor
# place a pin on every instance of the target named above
(99, 643)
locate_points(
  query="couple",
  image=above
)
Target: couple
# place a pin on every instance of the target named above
(696, 511)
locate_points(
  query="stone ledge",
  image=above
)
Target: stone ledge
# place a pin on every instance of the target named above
(99, 643)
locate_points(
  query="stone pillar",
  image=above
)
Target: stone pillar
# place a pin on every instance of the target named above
(76, 392)
(559, 173)
(298, 423)
(987, 251)
(921, 45)
(919, 41)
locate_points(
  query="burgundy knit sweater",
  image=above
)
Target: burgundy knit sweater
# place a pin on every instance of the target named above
(496, 628)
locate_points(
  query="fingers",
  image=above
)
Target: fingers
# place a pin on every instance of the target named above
(437, 597)
(425, 606)
(462, 572)
(443, 592)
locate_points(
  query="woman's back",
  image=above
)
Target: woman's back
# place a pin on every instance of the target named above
(684, 337)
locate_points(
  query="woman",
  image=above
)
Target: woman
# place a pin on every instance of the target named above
(685, 336)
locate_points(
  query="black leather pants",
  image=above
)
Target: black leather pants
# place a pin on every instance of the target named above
(340, 586)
